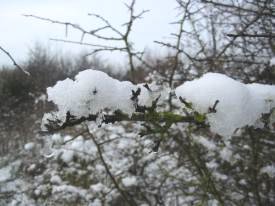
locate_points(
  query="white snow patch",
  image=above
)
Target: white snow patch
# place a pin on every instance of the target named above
(272, 61)
(129, 181)
(269, 170)
(57, 139)
(208, 144)
(55, 179)
(226, 154)
(5, 173)
(67, 156)
(29, 146)
(41, 98)
(8, 171)
(99, 187)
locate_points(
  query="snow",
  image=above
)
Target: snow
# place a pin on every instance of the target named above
(67, 156)
(236, 104)
(29, 146)
(129, 181)
(208, 144)
(99, 187)
(5, 173)
(55, 179)
(272, 61)
(57, 139)
(41, 98)
(269, 170)
(91, 92)
(239, 104)
(147, 96)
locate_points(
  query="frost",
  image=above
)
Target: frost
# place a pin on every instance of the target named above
(239, 104)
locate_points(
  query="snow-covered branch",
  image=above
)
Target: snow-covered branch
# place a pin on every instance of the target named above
(225, 103)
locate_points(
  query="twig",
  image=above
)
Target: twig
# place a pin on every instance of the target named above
(252, 35)
(54, 126)
(122, 192)
(14, 62)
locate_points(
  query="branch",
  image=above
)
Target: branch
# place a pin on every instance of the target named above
(76, 26)
(14, 62)
(243, 30)
(120, 36)
(53, 125)
(252, 35)
(99, 48)
(219, 4)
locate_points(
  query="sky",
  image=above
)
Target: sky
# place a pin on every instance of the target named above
(19, 33)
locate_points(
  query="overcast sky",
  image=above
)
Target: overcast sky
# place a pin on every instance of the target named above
(19, 33)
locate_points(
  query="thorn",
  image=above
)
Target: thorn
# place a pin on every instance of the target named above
(147, 87)
(135, 94)
(186, 104)
(95, 91)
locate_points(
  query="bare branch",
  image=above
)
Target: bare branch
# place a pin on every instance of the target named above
(14, 62)
(252, 35)
(117, 117)
(108, 24)
(230, 6)
(76, 26)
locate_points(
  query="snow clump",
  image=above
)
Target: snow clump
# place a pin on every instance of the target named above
(238, 104)
(93, 91)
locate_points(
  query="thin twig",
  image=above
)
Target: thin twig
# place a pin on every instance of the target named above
(124, 195)
(14, 62)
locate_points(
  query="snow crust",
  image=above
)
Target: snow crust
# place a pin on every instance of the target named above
(239, 104)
